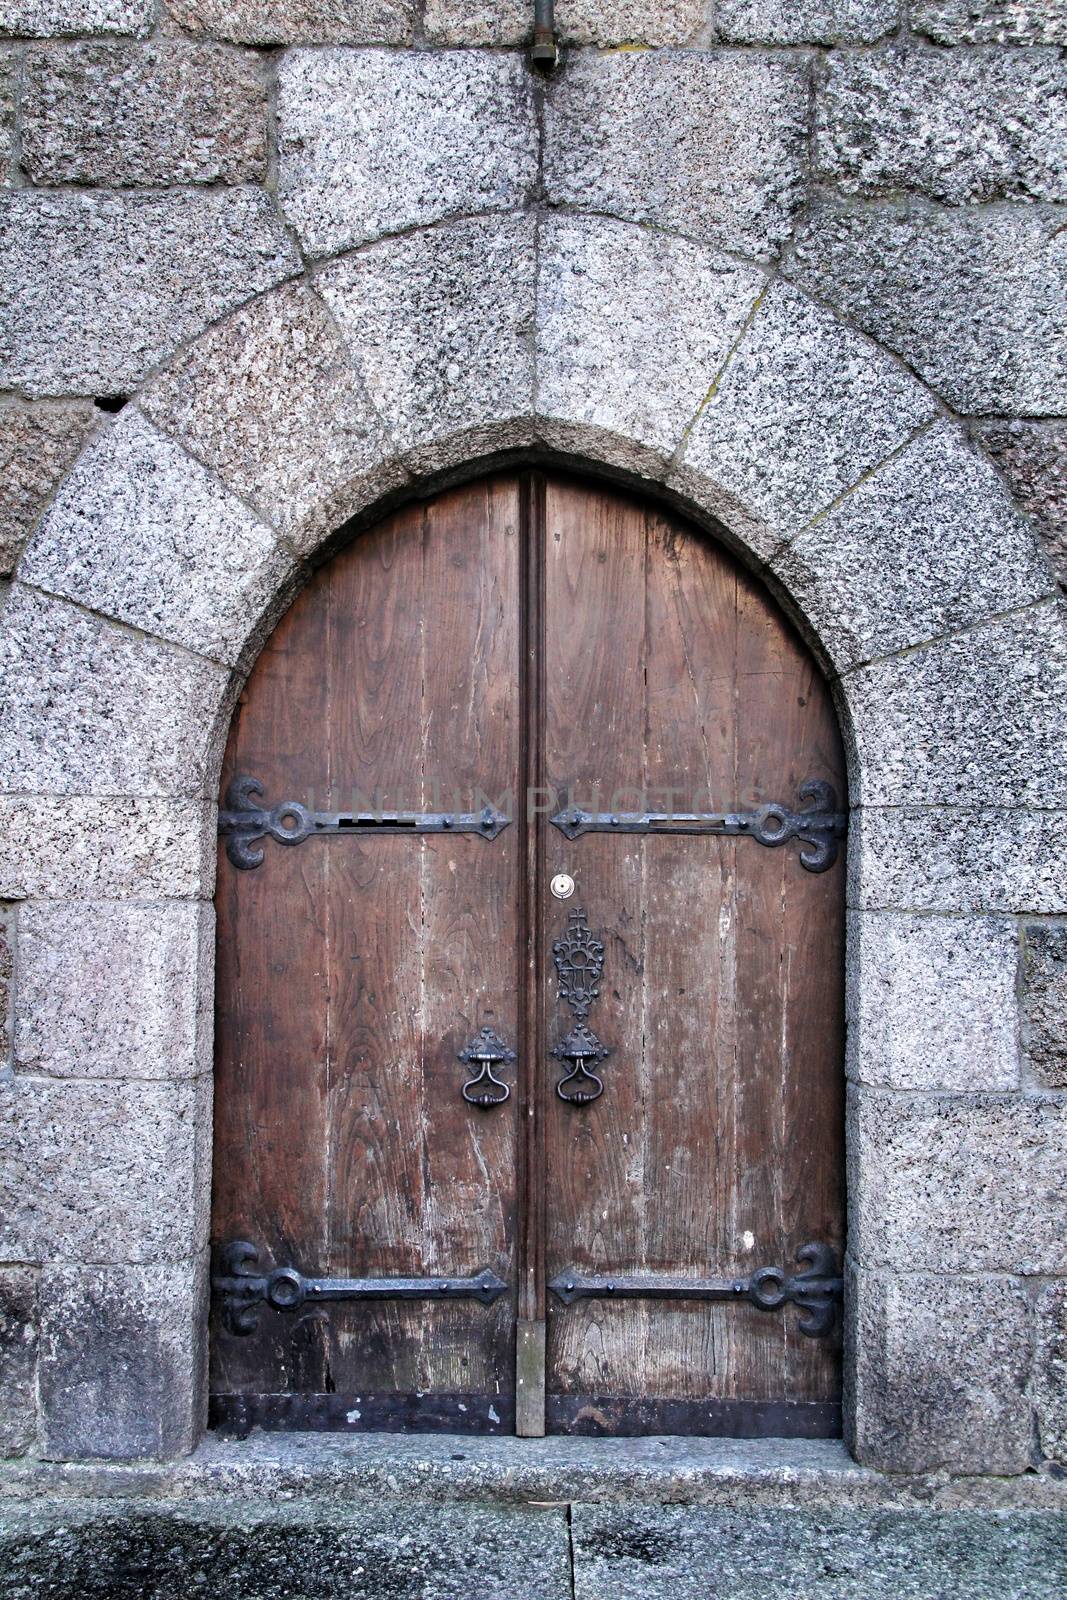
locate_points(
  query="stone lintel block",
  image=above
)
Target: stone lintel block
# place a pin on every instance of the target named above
(122, 1360)
(143, 114)
(78, 846)
(271, 399)
(114, 990)
(91, 708)
(499, 22)
(141, 532)
(105, 1172)
(957, 1183)
(633, 326)
(132, 276)
(894, 563)
(1050, 1371)
(39, 441)
(957, 126)
(940, 1373)
(372, 143)
(439, 324)
(957, 858)
(990, 21)
(297, 21)
(18, 1360)
(1044, 1002)
(705, 143)
(897, 1038)
(804, 408)
(977, 718)
(1033, 458)
(46, 19)
(973, 300)
(815, 22)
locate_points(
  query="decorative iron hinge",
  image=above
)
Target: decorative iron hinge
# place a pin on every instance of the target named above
(244, 1290)
(819, 828)
(816, 1291)
(242, 822)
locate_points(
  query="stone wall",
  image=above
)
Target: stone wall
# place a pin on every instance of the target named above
(804, 262)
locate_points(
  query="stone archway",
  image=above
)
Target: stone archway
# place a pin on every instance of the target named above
(181, 533)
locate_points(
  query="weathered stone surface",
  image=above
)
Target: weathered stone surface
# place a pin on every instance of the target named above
(143, 114)
(1044, 1002)
(815, 22)
(90, 708)
(18, 1360)
(122, 1353)
(38, 442)
(142, 532)
(372, 143)
(960, 858)
(941, 1371)
(929, 543)
(970, 1040)
(109, 990)
(710, 144)
(648, 1552)
(130, 277)
(964, 1183)
(8, 911)
(979, 718)
(439, 325)
(973, 301)
(8, 82)
(80, 847)
(577, 22)
(104, 1172)
(272, 401)
(803, 410)
(991, 21)
(43, 19)
(1033, 458)
(297, 21)
(1050, 1371)
(958, 126)
(633, 326)
(393, 1548)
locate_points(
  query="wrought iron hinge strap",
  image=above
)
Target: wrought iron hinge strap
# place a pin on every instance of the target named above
(818, 828)
(242, 822)
(816, 1291)
(244, 1290)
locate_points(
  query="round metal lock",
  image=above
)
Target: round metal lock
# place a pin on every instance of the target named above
(562, 886)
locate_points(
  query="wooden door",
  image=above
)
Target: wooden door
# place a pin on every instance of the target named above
(532, 645)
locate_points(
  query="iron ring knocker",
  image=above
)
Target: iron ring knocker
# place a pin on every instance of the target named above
(486, 1051)
(580, 1047)
(579, 959)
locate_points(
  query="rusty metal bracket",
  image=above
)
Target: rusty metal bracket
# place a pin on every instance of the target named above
(245, 1289)
(818, 828)
(817, 1290)
(242, 822)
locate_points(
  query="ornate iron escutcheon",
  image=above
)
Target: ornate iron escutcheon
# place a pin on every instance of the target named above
(579, 959)
(242, 822)
(817, 1290)
(486, 1051)
(818, 828)
(245, 1289)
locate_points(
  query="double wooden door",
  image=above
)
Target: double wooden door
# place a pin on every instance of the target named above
(529, 1018)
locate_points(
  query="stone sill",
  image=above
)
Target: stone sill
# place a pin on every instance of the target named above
(344, 1469)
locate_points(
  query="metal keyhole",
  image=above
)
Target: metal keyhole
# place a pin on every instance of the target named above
(562, 886)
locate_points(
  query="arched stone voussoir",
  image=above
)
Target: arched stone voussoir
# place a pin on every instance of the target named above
(928, 544)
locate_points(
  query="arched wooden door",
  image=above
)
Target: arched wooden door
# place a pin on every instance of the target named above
(529, 1018)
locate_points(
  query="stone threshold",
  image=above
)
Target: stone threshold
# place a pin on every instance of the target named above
(344, 1469)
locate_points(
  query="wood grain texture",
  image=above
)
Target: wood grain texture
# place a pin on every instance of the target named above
(517, 632)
